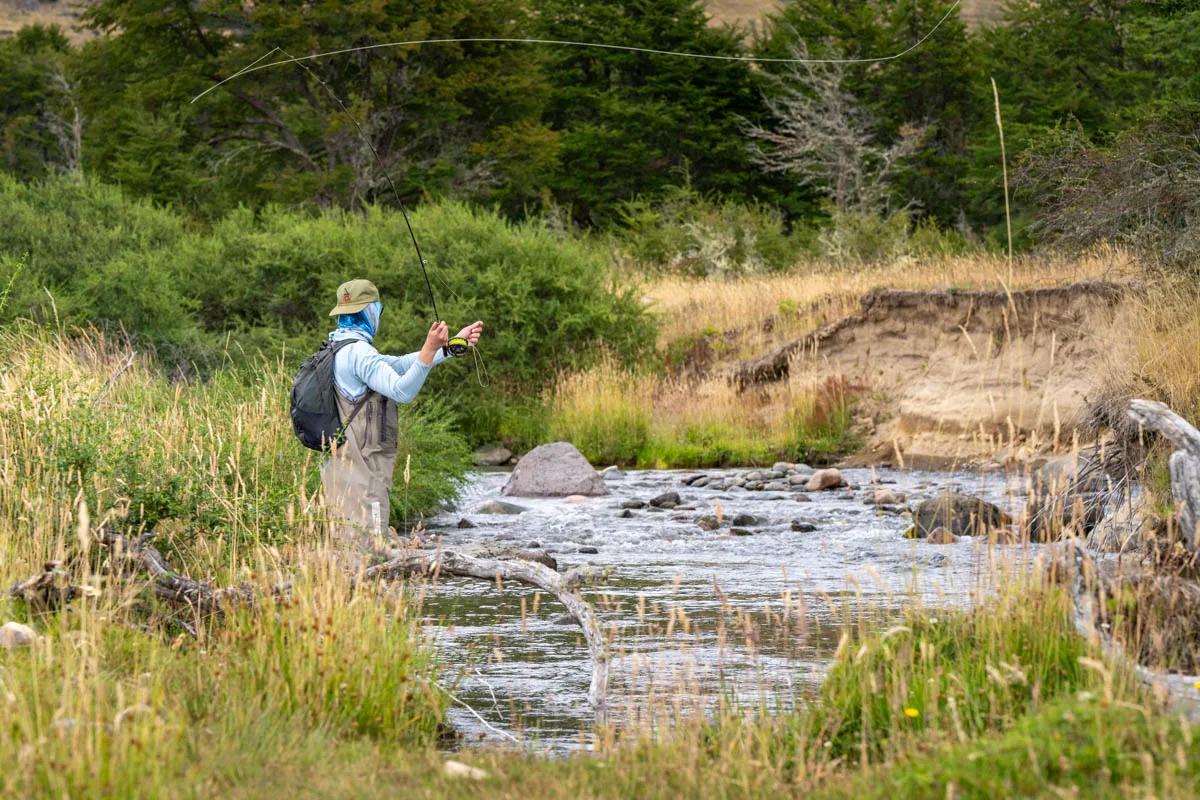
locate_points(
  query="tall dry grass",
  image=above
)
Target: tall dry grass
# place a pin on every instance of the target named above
(620, 416)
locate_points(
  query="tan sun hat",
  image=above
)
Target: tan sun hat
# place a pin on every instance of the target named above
(354, 296)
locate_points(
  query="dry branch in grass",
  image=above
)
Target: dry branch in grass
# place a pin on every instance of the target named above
(51, 588)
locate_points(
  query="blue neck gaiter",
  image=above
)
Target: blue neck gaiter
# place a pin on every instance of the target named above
(366, 321)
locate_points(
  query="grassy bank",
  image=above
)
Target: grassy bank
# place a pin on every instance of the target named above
(330, 696)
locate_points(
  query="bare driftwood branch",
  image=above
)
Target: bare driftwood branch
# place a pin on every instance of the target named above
(112, 378)
(433, 564)
(51, 588)
(47, 590)
(1184, 463)
(203, 598)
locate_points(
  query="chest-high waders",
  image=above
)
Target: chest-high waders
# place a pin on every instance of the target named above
(357, 478)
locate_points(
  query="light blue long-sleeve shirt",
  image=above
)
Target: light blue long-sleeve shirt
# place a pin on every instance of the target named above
(359, 367)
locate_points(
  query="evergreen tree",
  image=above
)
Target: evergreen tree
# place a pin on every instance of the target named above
(35, 93)
(635, 123)
(431, 111)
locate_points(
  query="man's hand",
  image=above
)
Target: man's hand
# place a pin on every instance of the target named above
(435, 340)
(472, 332)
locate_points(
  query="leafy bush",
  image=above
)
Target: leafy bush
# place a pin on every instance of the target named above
(262, 282)
(91, 255)
(855, 238)
(689, 234)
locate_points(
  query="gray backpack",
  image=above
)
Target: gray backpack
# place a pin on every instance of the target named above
(315, 416)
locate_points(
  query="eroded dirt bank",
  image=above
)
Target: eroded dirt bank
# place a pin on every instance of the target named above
(963, 376)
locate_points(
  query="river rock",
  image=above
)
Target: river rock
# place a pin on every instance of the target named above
(783, 467)
(741, 532)
(554, 470)
(466, 523)
(708, 522)
(700, 482)
(666, 500)
(802, 498)
(575, 499)
(626, 514)
(500, 507)
(825, 479)
(961, 514)
(940, 535)
(588, 550)
(746, 521)
(777, 486)
(633, 502)
(491, 456)
(14, 635)
(1123, 529)
(886, 497)
(799, 479)
(612, 473)
(801, 526)
(754, 475)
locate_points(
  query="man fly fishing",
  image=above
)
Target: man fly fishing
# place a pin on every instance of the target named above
(344, 402)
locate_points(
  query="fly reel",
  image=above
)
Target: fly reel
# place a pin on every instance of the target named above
(457, 346)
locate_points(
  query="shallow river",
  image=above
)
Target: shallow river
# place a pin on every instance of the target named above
(699, 615)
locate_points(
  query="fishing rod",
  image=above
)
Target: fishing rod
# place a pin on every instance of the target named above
(457, 345)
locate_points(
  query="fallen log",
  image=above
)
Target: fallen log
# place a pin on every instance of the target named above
(448, 562)
(52, 588)
(48, 589)
(201, 597)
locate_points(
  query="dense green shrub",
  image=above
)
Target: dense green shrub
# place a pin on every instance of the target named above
(690, 234)
(85, 253)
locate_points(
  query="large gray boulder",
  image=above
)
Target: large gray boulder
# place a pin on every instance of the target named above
(960, 514)
(554, 470)
(14, 635)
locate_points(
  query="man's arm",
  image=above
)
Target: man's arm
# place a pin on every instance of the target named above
(402, 363)
(379, 374)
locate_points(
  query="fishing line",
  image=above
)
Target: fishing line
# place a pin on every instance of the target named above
(256, 66)
(458, 346)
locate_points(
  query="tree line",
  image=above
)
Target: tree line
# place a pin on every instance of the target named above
(583, 133)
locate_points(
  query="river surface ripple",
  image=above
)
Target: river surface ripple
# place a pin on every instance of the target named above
(698, 615)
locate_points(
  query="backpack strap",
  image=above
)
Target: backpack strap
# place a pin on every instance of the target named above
(357, 408)
(336, 346)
